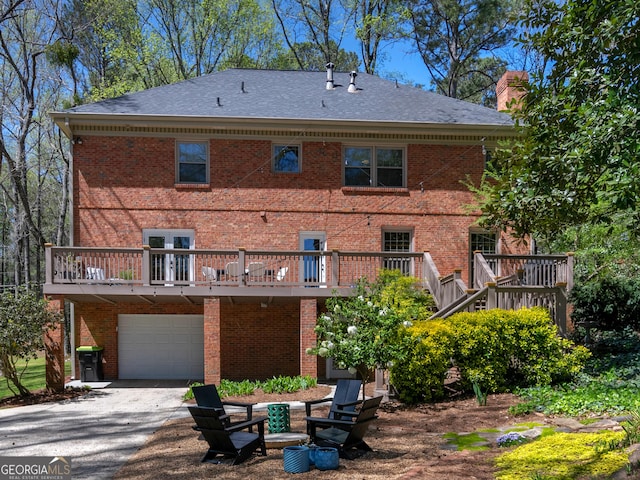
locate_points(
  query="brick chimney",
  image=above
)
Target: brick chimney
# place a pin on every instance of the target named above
(511, 86)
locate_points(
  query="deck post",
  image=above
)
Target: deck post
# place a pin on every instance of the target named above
(48, 264)
(335, 268)
(242, 266)
(561, 307)
(492, 295)
(146, 265)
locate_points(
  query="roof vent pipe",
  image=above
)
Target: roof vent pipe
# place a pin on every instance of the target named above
(330, 66)
(352, 84)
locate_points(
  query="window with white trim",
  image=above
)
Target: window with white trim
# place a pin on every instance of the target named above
(192, 162)
(481, 241)
(397, 241)
(374, 166)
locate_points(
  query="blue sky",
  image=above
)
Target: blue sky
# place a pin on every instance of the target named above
(398, 62)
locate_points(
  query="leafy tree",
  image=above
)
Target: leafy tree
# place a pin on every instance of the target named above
(367, 330)
(319, 22)
(28, 89)
(309, 57)
(454, 36)
(24, 317)
(601, 250)
(577, 160)
(376, 21)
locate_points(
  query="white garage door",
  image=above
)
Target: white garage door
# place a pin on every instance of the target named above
(161, 347)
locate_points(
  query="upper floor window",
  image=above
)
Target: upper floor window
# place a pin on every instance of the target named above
(192, 162)
(374, 167)
(286, 158)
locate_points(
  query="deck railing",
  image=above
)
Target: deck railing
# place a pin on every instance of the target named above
(167, 267)
(509, 282)
(501, 281)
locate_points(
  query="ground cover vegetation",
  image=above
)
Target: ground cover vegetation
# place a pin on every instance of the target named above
(33, 377)
(280, 384)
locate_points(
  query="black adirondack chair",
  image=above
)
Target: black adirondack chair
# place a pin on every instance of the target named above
(347, 432)
(207, 396)
(345, 397)
(228, 443)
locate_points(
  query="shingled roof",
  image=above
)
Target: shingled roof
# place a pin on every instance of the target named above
(294, 95)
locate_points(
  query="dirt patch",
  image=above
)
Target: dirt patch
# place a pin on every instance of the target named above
(407, 444)
(42, 396)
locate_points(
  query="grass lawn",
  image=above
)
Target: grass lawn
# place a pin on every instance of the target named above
(33, 378)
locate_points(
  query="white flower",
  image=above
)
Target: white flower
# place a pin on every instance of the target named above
(352, 330)
(326, 318)
(336, 308)
(369, 304)
(361, 298)
(407, 323)
(342, 366)
(323, 352)
(329, 345)
(352, 370)
(382, 312)
(389, 364)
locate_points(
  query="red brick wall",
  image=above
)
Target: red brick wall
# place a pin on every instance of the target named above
(259, 343)
(126, 184)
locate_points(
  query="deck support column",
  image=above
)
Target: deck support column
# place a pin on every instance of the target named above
(212, 343)
(308, 316)
(54, 349)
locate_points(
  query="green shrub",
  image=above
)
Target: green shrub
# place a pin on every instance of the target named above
(612, 302)
(497, 350)
(228, 388)
(287, 384)
(419, 375)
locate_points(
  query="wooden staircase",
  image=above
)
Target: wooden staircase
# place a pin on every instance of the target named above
(509, 282)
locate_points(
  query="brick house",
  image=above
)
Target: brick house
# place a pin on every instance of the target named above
(213, 217)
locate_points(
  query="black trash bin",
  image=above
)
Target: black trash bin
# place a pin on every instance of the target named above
(90, 363)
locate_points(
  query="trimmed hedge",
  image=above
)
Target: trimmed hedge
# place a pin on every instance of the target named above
(497, 350)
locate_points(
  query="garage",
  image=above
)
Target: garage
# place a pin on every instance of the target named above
(161, 347)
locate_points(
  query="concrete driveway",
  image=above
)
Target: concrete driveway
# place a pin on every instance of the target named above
(99, 431)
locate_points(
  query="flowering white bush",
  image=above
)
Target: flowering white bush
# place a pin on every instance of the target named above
(367, 330)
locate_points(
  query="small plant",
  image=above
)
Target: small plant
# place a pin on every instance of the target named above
(189, 393)
(228, 388)
(126, 274)
(631, 429)
(510, 439)
(481, 397)
(287, 384)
